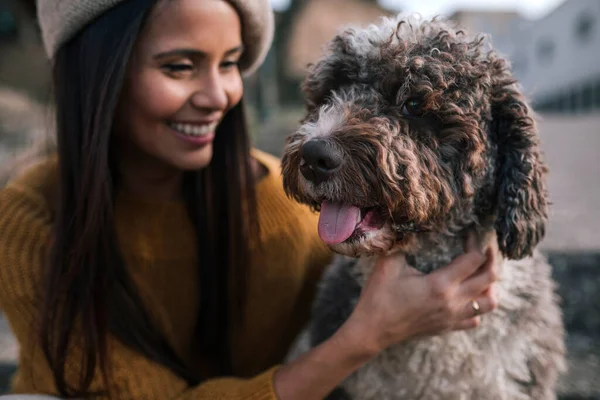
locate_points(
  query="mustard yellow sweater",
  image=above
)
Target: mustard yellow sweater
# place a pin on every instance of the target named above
(157, 241)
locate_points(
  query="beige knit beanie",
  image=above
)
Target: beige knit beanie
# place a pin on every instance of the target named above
(60, 20)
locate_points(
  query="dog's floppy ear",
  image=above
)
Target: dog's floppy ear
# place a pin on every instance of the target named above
(521, 172)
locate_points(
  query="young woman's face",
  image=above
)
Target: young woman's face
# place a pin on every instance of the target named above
(182, 79)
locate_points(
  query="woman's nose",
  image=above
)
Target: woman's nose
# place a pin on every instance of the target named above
(211, 93)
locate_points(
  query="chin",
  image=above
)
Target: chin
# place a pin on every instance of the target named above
(366, 243)
(196, 160)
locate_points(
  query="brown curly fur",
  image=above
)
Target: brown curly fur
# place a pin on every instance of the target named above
(469, 157)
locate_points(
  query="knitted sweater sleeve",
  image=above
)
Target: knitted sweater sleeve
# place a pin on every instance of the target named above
(25, 229)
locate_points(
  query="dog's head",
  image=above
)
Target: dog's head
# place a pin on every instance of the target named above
(414, 128)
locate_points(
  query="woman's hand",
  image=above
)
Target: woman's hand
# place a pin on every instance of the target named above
(400, 303)
(397, 303)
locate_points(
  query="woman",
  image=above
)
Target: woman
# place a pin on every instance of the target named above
(156, 255)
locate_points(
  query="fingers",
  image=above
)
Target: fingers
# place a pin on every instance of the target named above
(394, 265)
(462, 266)
(389, 266)
(479, 306)
(483, 278)
(390, 259)
(469, 323)
(475, 309)
(470, 244)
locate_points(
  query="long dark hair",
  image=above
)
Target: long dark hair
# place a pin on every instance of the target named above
(88, 292)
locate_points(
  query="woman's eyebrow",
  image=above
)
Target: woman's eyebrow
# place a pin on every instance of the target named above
(193, 52)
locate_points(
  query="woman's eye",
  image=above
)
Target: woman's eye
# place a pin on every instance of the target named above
(412, 108)
(177, 67)
(230, 64)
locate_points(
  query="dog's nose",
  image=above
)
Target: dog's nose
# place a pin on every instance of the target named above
(320, 160)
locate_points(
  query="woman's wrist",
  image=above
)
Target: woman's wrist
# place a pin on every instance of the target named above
(359, 339)
(317, 372)
(353, 342)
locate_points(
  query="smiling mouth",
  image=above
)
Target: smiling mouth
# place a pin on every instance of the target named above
(340, 222)
(195, 130)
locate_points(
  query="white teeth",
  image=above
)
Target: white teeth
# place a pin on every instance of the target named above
(359, 217)
(194, 130)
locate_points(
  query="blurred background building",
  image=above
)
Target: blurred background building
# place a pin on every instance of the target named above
(556, 57)
(554, 48)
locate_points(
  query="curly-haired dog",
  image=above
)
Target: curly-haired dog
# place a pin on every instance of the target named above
(415, 133)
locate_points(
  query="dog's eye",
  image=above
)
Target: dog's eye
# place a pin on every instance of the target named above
(413, 108)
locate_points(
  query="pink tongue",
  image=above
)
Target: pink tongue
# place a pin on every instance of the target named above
(337, 222)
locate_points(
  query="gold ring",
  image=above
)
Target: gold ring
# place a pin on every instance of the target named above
(475, 306)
